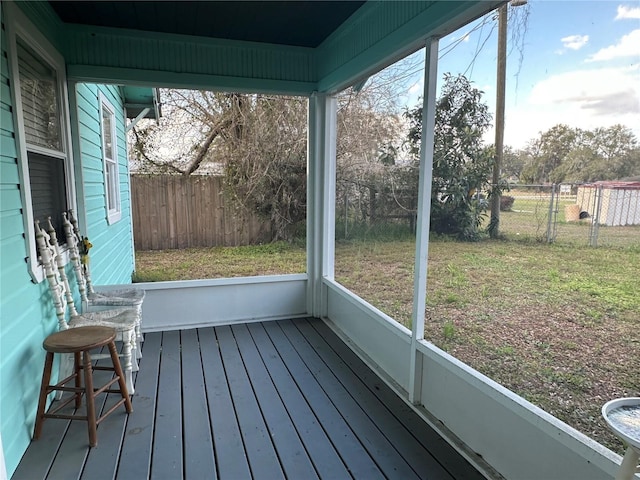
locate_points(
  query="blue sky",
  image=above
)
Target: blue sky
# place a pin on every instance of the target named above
(580, 65)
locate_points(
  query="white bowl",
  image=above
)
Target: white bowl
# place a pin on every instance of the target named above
(626, 426)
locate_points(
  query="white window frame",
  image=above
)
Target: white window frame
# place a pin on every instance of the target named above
(111, 176)
(19, 26)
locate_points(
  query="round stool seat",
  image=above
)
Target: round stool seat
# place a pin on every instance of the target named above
(79, 339)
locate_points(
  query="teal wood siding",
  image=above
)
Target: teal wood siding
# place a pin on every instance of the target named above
(45, 20)
(25, 312)
(112, 252)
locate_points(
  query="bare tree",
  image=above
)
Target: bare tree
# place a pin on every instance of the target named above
(259, 142)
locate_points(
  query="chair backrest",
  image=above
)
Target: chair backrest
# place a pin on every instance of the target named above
(82, 244)
(74, 255)
(59, 291)
(59, 261)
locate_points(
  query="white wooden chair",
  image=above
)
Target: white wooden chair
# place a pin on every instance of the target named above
(75, 259)
(122, 320)
(97, 300)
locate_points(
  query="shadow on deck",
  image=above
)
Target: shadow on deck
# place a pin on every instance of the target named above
(266, 400)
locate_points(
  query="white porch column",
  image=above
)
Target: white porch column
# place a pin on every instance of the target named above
(321, 194)
(424, 217)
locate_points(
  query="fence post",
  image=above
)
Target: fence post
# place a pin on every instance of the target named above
(550, 236)
(595, 223)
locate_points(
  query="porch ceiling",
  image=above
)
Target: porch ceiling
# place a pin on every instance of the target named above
(296, 23)
(284, 47)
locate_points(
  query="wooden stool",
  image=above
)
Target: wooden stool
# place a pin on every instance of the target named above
(79, 341)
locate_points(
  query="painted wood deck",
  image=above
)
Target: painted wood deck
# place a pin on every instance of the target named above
(266, 400)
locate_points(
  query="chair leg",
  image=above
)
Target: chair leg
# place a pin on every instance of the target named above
(121, 382)
(127, 342)
(138, 345)
(135, 348)
(91, 406)
(139, 338)
(78, 379)
(42, 401)
(66, 368)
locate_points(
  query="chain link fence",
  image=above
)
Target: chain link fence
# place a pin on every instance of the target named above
(598, 214)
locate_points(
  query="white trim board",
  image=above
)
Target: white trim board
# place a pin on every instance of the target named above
(199, 303)
(18, 25)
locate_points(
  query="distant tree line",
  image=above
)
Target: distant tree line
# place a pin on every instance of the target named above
(573, 155)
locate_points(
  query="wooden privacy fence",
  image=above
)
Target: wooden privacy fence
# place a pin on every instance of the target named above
(174, 211)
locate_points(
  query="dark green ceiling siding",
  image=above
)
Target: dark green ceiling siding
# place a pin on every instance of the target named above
(377, 34)
(291, 22)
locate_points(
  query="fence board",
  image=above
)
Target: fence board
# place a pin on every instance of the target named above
(171, 211)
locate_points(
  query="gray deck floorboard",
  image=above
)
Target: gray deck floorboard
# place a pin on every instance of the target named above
(135, 456)
(265, 400)
(324, 456)
(166, 456)
(401, 439)
(232, 461)
(199, 461)
(288, 445)
(379, 447)
(263, 460)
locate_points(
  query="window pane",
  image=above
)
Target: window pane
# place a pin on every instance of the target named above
(107, 133)
(112, 186)
(39, 94)
(48, 193)
(109, 152)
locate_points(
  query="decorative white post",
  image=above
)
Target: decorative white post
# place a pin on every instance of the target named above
(53, 241)
(424, 217)
(46, 256)
(74, 255)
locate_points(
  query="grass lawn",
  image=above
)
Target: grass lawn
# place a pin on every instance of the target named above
(559, 325)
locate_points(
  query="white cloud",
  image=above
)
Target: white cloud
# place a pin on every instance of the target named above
(417, 88)
(625, 12)
(575, 42)
(601, 91)
(585, 99)
(628, 46)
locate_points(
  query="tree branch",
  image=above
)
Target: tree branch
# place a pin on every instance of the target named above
(202, 153)
(138, 145)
